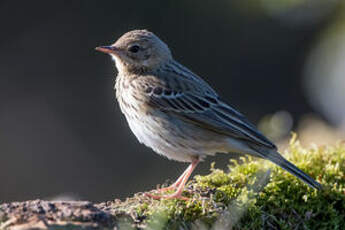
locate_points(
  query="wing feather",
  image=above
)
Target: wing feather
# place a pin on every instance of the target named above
(201, 106)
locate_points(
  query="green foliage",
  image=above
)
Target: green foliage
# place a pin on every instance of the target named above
(254, 194)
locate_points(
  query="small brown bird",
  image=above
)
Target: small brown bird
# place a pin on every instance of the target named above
(173, 111)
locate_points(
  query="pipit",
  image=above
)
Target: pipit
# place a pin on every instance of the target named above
(176, 113)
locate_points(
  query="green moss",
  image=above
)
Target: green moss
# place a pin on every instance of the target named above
(254, 194)
(251, 194)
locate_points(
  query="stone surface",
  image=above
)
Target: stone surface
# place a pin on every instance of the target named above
(39, 214)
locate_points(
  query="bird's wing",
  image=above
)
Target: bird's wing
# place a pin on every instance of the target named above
(202, 107)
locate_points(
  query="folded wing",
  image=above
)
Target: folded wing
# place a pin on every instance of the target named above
(206, 110)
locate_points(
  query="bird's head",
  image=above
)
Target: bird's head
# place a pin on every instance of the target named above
(138, 50)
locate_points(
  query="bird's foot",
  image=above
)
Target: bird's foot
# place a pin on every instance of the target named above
(175, 195)
(178, 185)
(165, 189)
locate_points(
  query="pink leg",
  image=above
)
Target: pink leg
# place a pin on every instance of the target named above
(181, 182)
(176, 183)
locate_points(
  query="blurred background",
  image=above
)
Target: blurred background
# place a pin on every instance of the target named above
(62, 136)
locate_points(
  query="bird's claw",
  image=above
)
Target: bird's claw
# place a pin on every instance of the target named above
(172, 196)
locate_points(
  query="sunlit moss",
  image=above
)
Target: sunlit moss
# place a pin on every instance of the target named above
(254, 194)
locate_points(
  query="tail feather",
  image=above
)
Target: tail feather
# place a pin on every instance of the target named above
(276, 158)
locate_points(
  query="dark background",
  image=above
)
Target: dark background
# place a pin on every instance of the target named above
(61, 132)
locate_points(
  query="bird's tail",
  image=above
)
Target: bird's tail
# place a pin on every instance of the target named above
(276, 158)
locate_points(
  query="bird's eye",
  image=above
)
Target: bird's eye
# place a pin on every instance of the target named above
(134, 48)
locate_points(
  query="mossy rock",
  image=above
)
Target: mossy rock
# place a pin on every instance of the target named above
(253, 194)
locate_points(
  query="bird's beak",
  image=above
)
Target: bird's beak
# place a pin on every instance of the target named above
(108, 49)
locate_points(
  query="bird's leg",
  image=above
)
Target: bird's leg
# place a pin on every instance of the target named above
(181, 183)
(176, 183)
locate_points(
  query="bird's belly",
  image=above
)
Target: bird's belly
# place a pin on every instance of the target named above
(173, 138)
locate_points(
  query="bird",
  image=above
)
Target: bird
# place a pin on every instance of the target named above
(179, 115)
